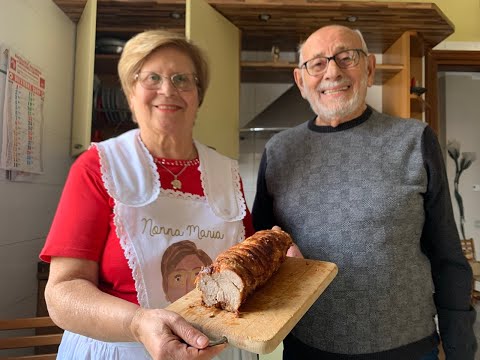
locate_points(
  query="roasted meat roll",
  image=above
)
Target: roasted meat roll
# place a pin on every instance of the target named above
(238, 271)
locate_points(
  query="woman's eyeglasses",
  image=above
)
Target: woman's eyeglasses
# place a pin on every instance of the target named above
(344, 59)
(153, 81)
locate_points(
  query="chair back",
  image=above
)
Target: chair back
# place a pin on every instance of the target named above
(468, 249)
(16, 341)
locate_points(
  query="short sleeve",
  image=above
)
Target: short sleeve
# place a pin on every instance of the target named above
(81, 223)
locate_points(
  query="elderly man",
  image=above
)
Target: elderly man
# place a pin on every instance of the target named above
(368, 192)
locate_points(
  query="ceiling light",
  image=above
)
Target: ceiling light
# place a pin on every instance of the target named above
(264, 17)
(351, 18)
(175, 15)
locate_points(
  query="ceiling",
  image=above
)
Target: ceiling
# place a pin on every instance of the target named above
(290, 20)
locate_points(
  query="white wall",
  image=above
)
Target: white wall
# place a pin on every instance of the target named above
(42, 33)
(462, 122)
(255, 97)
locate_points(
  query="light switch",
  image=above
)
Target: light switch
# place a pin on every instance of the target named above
(476, 187)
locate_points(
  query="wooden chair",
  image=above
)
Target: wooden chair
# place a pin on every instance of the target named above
(8, 341)
(468, 248)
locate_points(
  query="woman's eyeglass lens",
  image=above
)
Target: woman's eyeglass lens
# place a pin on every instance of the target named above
(153, 81)
(344, 60)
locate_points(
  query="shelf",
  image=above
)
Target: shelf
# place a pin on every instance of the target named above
(254, 71)
(384, 72)
(267, 72)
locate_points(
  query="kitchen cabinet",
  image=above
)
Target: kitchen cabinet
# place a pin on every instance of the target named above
(282, 72)
(408, 52)
(400, 31)
(218, 118)
(83, 86)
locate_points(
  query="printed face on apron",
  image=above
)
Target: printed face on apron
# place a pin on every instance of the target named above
(181, 263)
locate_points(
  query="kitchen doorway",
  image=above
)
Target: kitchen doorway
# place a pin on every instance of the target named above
(440, 61)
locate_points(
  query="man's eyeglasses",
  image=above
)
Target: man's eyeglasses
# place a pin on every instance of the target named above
(344, 59)
(153, 81)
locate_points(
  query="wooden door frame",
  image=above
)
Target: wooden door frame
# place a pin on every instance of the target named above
(444, 60)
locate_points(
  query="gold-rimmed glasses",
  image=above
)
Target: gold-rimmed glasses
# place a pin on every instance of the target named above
(181, 81)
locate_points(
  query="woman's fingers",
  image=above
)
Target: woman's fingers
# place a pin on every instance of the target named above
(204, 354)
(180, 327)
(167, 335)
(177, 350)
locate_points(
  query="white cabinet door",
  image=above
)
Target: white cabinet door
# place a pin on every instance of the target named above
(83, 86)
(218, 118)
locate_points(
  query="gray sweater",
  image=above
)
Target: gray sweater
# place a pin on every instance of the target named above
(362, 196)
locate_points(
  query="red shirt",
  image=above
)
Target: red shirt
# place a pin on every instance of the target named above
(83, 224)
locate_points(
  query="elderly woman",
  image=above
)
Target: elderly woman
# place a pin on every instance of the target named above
(127, 200)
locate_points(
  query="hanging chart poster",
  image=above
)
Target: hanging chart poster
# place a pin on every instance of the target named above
(22, 116)
(3, 81)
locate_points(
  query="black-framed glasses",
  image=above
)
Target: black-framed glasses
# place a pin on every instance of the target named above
(152, 81)
(344, 59)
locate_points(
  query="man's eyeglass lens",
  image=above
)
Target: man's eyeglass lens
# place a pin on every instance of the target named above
(153, 81)
(344, 60)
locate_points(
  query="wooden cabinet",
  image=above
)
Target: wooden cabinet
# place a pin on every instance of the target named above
(387, 28)
(282, 72)
(401, 62)
(408, 53)
(83, 86)
(218, 118)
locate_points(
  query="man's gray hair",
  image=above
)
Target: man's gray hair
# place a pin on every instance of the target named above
(300, 47)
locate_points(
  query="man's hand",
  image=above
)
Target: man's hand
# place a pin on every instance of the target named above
(293, 251)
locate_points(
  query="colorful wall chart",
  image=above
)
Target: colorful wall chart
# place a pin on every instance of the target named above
(22, 116)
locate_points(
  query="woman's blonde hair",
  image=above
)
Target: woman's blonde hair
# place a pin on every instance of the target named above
(139, 48)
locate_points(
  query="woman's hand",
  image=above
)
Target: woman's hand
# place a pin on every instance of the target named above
(166, 335)
(75, 303)
(293, 251)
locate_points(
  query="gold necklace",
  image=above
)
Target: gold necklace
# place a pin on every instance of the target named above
(176, 184)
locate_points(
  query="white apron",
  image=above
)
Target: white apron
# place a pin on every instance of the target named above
(166, 235)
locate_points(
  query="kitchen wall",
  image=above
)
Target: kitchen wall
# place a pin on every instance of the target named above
(44, 35)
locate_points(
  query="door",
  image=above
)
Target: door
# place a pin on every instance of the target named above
(83, 85)
(217, 123)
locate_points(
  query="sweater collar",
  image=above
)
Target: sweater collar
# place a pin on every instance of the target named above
(344, 126)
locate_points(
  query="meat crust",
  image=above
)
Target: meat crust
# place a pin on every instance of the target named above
(238, 271)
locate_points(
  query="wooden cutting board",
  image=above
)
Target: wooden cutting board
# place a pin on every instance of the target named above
(269, 313)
